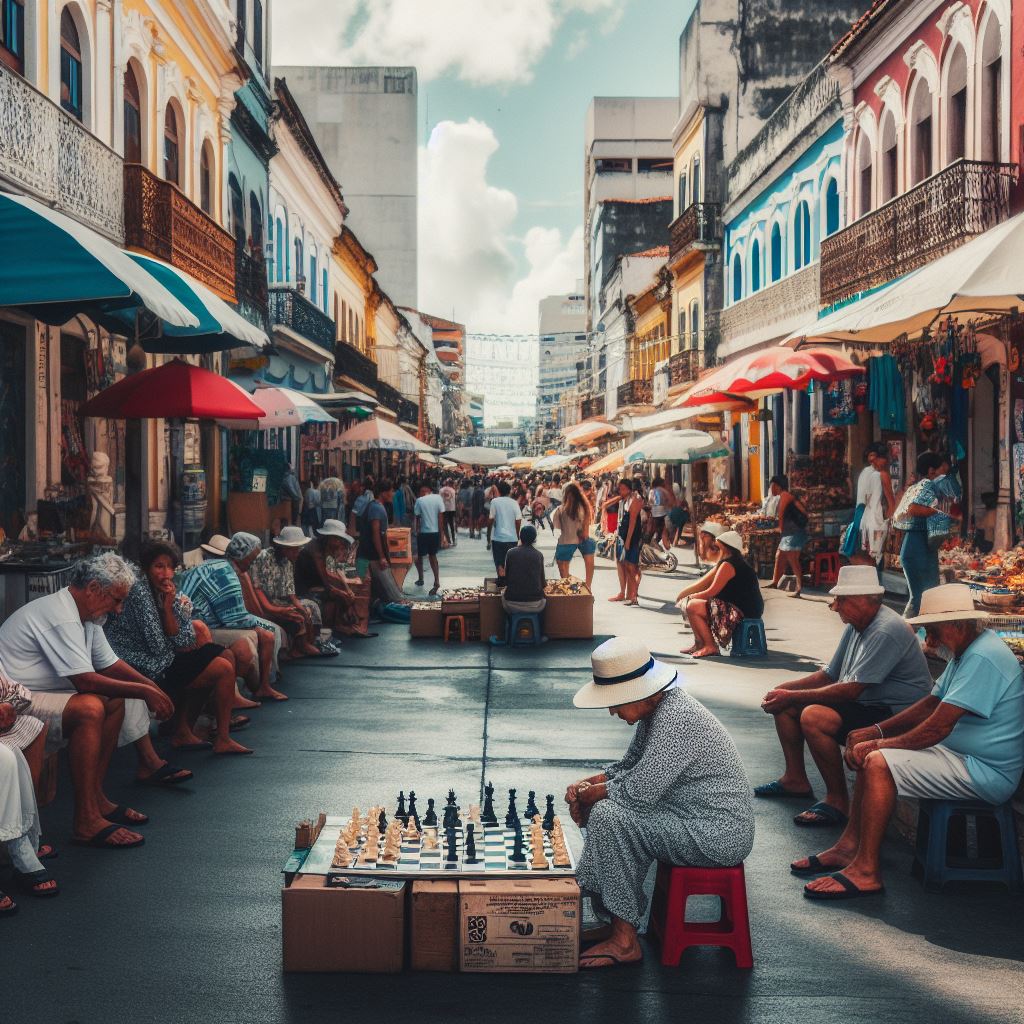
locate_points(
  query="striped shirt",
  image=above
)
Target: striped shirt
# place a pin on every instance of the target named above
(216, 595)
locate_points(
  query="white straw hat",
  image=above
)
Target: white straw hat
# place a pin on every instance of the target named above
(715, 529)
(216, 545)
(624, 672)
(291, 537)
(951, 602)
(857, 581)
(335, 528)
(731, 539)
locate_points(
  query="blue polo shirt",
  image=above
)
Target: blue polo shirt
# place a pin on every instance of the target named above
(986, 681)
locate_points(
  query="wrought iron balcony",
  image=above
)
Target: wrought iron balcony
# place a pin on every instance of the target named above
(698, 224)
(687, 366)
(409, 413)
(163, 221)
(772, 312)
(592, 406)
(636, 392)
(389, 396)
(51, 156)
(293, 310)
(351, 363)
(251, 287)
(934, 217)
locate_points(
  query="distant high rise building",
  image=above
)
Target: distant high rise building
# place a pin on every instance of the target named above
(365, 123)
(562, 342)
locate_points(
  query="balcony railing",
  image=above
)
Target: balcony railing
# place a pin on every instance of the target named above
(160, 219)
(251, 287)
(408, 412)
(351, 363)
(698, 224)
(50, 155)
(389, 396)
(293, 310)
(636, 392)
(772, 312)
(687, 366)
(592, 406)
(934, 217)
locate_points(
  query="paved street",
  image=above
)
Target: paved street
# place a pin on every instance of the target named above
(188, 927)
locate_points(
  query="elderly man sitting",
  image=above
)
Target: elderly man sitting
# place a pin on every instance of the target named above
(85, 694)
(965, 741)
(877, 671)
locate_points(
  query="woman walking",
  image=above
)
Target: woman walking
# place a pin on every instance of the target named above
(574, 517)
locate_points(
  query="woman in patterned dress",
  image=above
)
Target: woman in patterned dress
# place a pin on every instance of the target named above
(679, 795)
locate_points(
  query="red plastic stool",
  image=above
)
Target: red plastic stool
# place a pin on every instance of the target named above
(455, 629)
(668, 913)
(826, 568)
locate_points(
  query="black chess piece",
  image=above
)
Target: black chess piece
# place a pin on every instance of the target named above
(549, 814)
(488, 817)
(450, 816)
(471, 857)
(532, 810)
(382, 821)
(413, 813)
(517, 856)
(430, 818)
(449, 837)
(400, 811)
(512, 815)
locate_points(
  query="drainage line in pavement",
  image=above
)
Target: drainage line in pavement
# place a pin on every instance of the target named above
(487, 711)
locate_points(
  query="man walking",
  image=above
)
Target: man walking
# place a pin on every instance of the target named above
(429, 514)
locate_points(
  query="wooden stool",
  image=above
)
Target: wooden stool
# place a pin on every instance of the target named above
(825, 567)
(455, 629)
(668, 912)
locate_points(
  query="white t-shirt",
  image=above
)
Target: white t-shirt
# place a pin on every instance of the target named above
(45, 642)
(429, 508)
(554, 493)
(448, 497)
(505, 512)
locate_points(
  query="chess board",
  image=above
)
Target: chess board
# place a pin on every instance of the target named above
(494, 848)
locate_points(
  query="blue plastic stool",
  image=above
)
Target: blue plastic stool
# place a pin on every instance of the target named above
(935, 866)
(749, 640)
(516, 622)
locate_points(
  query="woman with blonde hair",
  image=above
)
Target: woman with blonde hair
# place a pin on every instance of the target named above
(573, 518)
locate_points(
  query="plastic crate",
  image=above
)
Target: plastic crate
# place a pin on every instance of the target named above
(41, 583)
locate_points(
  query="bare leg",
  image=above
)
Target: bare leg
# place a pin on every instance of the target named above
(791, 739)
(698, 613)
(588, 561)
(419, 568)
(265, 648)
(35, 755)
(780, 567)
(434, 568)
(563, 569)
(820, 726)
(620, 568)
(219, 676)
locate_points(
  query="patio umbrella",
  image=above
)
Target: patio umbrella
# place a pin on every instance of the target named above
(552, 462)
(176, 390)
(478, 456)
(282, 407)
(675, 447)
(521, 462)
(609, 464)
(585, 433)
(378, 435)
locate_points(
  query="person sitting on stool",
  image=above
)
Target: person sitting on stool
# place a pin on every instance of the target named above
(524, 576)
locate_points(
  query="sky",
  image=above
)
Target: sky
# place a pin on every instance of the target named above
(504, 89)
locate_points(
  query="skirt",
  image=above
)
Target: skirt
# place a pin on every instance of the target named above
(793, 542)
(723, 618)
(186, 668)
(18, 813)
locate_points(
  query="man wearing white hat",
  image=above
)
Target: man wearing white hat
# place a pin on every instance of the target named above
(679, 794)
(964, 741)
(878, 670)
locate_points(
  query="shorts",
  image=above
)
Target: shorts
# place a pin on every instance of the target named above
(564, 552)
(48, 706)
(793, 542)
(499, 549)
(855, 715)
(186, 668)
(428, 543)
(935, 773)
(632, 556)
(678, 517)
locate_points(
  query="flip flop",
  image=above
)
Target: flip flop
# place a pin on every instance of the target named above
(825, 814)
(99, 840)
(238, 722)
(613, 961)
(776, 789)
(30, 879)
(11, 909)
(120, 815)
(46, 852)
(849, 890)
(232, 753)
(166, 775)
(814, 867)
(188, 748)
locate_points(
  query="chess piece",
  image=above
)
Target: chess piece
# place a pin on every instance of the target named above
(411, 830)
(471, 857)
(355, 820)
(430, 818)
(531, 807)
(549, 814)
(517, 856)
(400, 811)
(413, 813)
(489, 817)
(382, 820)
(474, 814)
(449, 837)
(430, 839)
(450, 816)
(512, 815)
(539, 861)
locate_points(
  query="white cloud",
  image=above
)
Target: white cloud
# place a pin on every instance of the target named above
(486, 42)
(469, 257)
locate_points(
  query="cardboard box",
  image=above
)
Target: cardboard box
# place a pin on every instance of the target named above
(434, 926)
(492, 617)
(426, 622)
(461, 607)
(569, 617)
(400, 545)
(519, 925)
(360, 929)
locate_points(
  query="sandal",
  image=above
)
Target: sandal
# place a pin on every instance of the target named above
(8, 908)
(120, 815)
(819, 815)
(46, 852)
(814, 867)
(613, 961)
(166, 775)
(31, 880)
(849, 890)
(776, 789)
(100, 840)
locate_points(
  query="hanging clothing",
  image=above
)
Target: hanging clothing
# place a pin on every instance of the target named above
(873, 525)
(885, 393)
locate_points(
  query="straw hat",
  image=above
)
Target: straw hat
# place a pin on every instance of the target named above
(624, 672)
(335, 528)
(715, 529)
(216, 545)
(951, 602)
(857, 581)
(291, 537)
(731, 539)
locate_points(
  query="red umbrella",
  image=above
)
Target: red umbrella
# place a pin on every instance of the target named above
(176, 390)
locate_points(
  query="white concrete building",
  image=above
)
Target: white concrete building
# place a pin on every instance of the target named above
(562, 343)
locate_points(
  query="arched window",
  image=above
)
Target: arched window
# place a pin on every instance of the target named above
(323, 288)
(737, 278)
(172, 168)
(991, 109)
(12, 34)
(684, 341)
(71, 70)
(255, 223)
(337, 317)
(279, 249)
(865, 175)
(889, 157)
(831, 207)
(921, 133)
(755, 266)
(775, 270)
(802, 236)
(132, 117)
(236, 220)
(206, 178)
(697, 341)
(695, 182)
(956, 106)
(312, 278)
(682, 193)
(257, 31)
(351, 338)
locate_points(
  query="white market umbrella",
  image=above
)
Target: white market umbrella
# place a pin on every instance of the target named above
(478, 456)
(589, 431)
(552, 462)
(521, 462)
(676, 447)
(983, 277)
(284, 408)
(378, 435)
